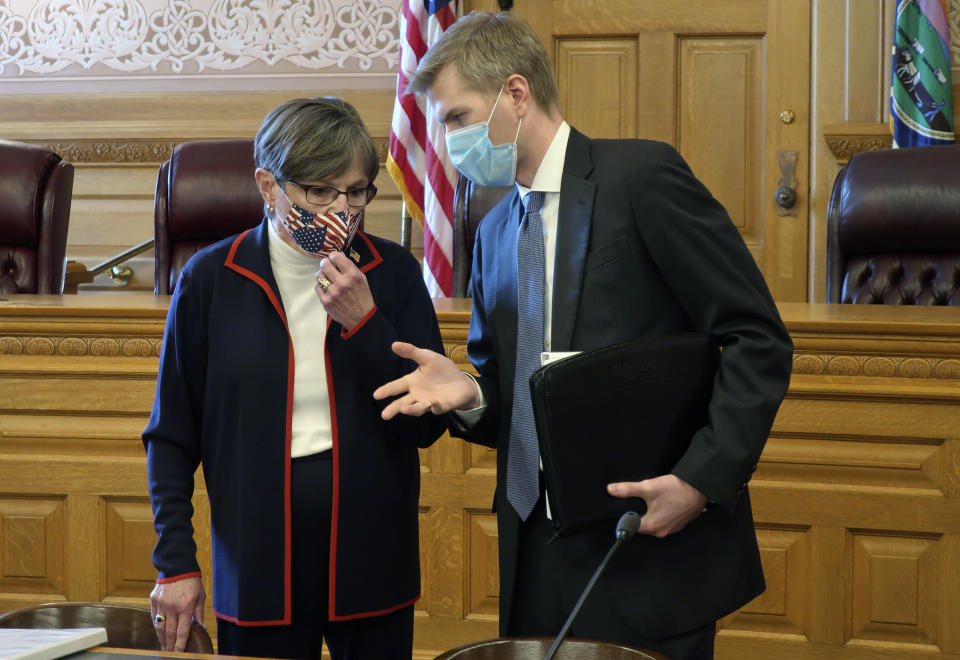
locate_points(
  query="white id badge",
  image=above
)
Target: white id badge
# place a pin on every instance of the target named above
(552, 356)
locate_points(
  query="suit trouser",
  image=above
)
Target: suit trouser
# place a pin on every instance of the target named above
(543, 599)
(386, 637)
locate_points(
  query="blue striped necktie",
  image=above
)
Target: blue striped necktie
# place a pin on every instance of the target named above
(523, 457)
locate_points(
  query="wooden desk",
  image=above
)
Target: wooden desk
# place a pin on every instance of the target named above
(101, 653)
(857, 497)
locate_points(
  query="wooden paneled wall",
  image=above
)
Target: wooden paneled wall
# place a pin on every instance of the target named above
(857, 497)
(688, 73)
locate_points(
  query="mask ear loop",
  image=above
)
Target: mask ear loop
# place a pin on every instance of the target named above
(494, 108)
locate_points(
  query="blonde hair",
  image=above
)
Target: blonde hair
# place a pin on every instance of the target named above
(486, 49)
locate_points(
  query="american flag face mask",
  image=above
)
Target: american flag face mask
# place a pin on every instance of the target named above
(321, 234)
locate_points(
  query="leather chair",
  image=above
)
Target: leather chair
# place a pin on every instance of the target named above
(127, 627)
(893, 232)
(470, 204)
(205, 192)
(535, 648)
(36, 188)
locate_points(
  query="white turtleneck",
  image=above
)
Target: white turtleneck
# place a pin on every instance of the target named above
(307, 322)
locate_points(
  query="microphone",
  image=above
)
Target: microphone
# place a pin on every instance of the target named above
(627, 528)
(628, 525)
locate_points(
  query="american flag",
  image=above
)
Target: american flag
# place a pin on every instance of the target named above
(418, 159)
(318, 233)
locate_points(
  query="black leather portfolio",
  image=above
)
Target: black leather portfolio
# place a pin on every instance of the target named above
(622, 413)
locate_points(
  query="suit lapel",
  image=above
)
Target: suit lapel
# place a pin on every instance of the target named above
(573, 237)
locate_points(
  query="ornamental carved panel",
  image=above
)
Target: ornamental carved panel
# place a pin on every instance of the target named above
(180, 36)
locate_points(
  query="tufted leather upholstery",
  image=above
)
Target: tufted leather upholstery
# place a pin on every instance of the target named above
(36, 188)
(205, 192)
(893, 234)
(470, 204)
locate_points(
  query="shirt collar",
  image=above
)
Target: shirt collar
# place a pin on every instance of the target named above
(550, 173)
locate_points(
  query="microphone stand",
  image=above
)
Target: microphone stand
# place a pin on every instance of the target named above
(624, 533)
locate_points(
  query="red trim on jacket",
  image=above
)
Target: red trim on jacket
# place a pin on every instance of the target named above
(367, 615)
(360, 324)
(334, 518)
(377, 259)
(287, 488)
(251, 624)
(288, 439)
(177, 578)
(229, 263)
(335, 506)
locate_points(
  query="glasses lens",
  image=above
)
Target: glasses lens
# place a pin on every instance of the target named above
(321, 195)
(360, 196)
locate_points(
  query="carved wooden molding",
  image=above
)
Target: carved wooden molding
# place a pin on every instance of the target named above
(876, 366)
(847, 140)
(81, 346)
(457, 353)
(115, 152)
(98, 151)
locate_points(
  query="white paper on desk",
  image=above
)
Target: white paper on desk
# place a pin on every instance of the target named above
(47, 643)
(547, 357)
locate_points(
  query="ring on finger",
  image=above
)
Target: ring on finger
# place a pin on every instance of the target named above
(324, 283)
(157, 620)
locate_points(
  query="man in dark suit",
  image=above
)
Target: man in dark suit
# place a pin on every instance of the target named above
(627, 243)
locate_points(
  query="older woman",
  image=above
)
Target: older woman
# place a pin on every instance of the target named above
(275, 341)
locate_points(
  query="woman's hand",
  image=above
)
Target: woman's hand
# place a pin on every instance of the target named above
(343, 290)
(436, 385)
(177, 604)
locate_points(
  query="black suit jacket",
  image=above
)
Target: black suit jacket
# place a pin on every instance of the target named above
(643, 249)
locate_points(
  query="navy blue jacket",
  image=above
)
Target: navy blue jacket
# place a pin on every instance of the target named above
(224, 399)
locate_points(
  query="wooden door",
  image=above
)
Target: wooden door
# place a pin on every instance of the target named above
(712, 78)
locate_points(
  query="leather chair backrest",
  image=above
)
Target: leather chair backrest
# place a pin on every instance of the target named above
(893, 228)
(36, 188)
(470, 204)
(127, 626)
(205, 193)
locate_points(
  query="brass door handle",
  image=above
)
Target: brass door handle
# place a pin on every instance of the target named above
(785, 196)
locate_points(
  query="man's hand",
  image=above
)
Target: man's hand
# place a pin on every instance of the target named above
(671, 503)
(343, 290)
(436, 385)
(178, 603)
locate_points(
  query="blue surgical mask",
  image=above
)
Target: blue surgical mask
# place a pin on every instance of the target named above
(472, 153)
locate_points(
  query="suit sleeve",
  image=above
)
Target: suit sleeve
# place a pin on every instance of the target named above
(171, 438)
(480, 348)
(704, 260)
(411, 319)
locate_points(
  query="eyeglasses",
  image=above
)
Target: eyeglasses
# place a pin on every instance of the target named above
(325, 195)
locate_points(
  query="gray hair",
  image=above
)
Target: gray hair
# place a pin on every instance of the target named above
(486, 49)
(314, 139)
